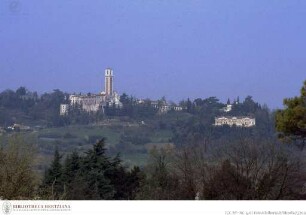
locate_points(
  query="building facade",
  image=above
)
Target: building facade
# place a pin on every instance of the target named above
(237, 121)
(64, 109)
(89, 103)
(164, 107)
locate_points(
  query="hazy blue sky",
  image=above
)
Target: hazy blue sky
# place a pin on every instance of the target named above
(172, 48)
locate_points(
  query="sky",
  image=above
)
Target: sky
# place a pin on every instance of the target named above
(174, 48)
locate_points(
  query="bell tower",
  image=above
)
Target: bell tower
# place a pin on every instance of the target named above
(109, 79)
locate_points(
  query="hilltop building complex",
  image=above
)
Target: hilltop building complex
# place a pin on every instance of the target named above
(94, 102)
(108, 97)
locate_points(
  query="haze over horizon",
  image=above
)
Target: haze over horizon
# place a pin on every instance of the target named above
(173, 48)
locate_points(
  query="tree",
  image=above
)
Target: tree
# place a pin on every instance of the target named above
(17, 179)
(53, 181)
(94, 166)
(189, 106)
(251, 169)
(125, 99)
(74, 185)
(133, 184)
(291, 121)
(93, 176)
(21, 91)
(160, 182)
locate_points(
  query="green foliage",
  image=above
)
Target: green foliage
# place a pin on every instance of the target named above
(291, 121)
(27, 107)
(159, 183)
(78, 116)
(131, 108)
(17, 179)
(135, 138)
(92, 176)
(54, 179)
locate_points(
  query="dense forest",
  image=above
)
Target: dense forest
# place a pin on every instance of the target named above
(25, 107)
(201, 161)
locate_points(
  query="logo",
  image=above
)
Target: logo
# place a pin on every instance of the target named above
(7, 207)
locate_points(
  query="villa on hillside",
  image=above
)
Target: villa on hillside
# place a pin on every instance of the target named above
(237, 121)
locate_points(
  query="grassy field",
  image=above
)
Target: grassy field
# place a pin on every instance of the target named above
(81, 138)
(132, 140)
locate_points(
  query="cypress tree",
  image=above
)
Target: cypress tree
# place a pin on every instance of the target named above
(53, 181)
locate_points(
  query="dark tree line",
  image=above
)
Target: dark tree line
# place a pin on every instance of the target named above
(23, 106)
(132, 109)
(243, 170)
(91, 176)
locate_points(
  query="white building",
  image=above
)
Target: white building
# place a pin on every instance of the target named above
(89, 103)
(178, 108)
(238, 121)
(64, 109)
(114, 100)
(163, 106)
(95, 102)
(228, 108)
